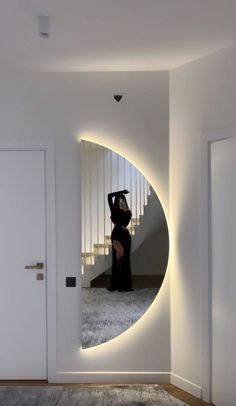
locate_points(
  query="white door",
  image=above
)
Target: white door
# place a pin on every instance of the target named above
(223, 218)
(22, 243)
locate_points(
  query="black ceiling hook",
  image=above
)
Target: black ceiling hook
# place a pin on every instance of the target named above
(117, 96)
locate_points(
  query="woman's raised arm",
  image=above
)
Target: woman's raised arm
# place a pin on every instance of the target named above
(113, 194)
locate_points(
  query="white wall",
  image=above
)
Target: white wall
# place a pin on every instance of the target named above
(223, 233)
(61, 107)
(202, 100)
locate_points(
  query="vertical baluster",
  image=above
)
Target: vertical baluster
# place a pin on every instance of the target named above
(85, 212)
(90, 200)
(124, 170)
(143, 192)
(82, 198)
(131, 193)
(136, 195)
(104, 195)
(140, 192)
(111, 178)
(97, 156)
(82, 205)
(140, 200)
(146, 190)
(117, 170)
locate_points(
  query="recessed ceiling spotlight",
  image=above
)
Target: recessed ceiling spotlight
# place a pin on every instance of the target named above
(44, 26)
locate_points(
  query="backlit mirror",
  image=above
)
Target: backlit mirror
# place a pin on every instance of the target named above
(124, 260)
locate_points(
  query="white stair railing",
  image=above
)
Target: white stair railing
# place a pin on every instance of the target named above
(104, 171)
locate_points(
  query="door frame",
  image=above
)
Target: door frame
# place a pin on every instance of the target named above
(49, 150)
(205, 254)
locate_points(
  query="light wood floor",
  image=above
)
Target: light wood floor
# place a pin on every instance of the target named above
(173, 390)
(182, 395)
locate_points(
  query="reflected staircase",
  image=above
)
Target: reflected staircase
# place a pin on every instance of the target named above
(99, 260)
(104, 171)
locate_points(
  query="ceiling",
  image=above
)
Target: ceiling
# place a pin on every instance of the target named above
(113, 35)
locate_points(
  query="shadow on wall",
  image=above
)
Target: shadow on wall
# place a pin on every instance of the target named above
(152, 256)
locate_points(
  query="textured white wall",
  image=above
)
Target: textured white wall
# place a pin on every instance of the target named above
(61, 107)
(202, 100)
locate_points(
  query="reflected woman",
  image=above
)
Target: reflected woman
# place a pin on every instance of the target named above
(121, 279)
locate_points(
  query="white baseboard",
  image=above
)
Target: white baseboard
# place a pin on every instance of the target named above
(186, 385)
(129, 378)
(113, 377)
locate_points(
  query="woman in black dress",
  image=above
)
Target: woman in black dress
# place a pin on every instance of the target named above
(121, 242)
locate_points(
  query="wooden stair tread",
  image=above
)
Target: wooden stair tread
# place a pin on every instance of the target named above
(101, 245)
(87, 254)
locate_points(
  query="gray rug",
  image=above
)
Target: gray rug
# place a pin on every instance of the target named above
(115, 395)
(106, 314)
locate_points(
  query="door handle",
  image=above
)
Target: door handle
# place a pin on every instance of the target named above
(39, 265)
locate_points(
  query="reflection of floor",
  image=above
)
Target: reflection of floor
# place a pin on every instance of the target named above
(93, 395)
(106, 314)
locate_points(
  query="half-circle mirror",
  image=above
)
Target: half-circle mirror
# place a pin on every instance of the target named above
(123, 261)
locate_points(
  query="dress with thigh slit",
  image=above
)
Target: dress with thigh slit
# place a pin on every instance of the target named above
(121, 269)
(121, 278)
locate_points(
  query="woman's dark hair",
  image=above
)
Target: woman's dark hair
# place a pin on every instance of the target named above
(117, 198)
(119, 216)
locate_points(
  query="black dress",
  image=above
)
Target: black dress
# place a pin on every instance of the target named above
(121, 269)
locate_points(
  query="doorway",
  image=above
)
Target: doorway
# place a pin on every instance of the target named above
(27, 256)
(223, 259)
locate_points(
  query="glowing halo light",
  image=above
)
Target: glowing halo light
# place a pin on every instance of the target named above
(152, 311)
